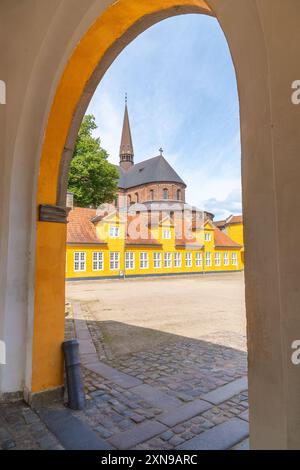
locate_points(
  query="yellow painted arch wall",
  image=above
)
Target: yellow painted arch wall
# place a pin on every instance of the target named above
(48, 334)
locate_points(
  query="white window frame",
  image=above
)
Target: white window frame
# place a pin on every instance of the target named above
(199, 259)
(217, 258)
(177, 260)
(157, 260)
(167, 260)
(129, 260)
(98, 261)
(114, 231)
(114, 261)
(166, 234)
(208, 259)
(226, 258)
(234, 258)
(144, 260)
(80, 263)
(207, 236)
(188, 259)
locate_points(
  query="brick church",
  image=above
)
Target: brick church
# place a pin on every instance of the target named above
(150, 180)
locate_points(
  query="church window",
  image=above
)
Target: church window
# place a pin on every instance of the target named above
(137, 197)
(151, 194)
(166, 194)
(178, 195)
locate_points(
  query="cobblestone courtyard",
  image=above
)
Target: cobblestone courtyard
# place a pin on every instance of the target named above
(164, 364)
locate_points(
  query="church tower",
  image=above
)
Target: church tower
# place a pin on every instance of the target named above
(126, 147)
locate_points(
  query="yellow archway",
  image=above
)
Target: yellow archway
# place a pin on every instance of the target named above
(111, 32)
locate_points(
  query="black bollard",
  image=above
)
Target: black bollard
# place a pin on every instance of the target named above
(76, 396)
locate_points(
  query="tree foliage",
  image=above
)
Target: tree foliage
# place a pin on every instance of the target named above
(92, 179)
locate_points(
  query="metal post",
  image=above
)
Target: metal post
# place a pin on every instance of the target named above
(75, 388)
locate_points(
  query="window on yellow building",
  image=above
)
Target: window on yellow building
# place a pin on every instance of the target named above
(177, 260)
(217, 258)
(157, 260)
(234, 259)
(226, 258)
(98, 261)
(188, 260)
(113, 231)
(79, 261)
(129, 260)
(166, 234)
(144, 260)
(208, 261)
(114, 261)
(198, 259)
(207, 237)
(168, 260)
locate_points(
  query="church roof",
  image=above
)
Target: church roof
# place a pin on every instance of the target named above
(153, 170)
(126, 147)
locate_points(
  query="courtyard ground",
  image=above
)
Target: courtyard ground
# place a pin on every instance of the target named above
(164, 363)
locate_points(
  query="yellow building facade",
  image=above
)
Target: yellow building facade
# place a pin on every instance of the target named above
(105, 248)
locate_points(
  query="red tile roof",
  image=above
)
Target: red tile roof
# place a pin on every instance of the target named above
(80, 229)
(140, 238)
(223, 241)
(234, 219)
(219, 223)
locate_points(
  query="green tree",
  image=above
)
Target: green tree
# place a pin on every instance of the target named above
(92, 179)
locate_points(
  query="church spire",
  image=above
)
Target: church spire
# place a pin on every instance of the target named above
(126, 147)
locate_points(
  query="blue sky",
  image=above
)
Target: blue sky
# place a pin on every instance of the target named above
(182, 95)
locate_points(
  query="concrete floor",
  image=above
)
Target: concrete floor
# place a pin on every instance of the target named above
(209, 307)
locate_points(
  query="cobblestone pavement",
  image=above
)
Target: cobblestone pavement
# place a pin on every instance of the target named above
(22, 429)
(184, 370)
(161, 398)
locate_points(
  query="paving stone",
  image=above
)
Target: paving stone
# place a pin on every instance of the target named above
(137, 434)
(166, 436)
(72, 433)
(8, 444)
(221, 437)
(105, 433)
(244, 445)
(226, 392)
(114, 375)
(245, 415)
(86, 346)
(184, 412)
(156, 397)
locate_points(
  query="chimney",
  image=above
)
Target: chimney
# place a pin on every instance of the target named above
(70, 201)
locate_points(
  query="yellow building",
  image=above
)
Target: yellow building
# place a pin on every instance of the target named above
(116, 246)
(150, 230)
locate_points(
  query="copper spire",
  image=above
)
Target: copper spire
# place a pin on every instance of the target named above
(126, 147)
